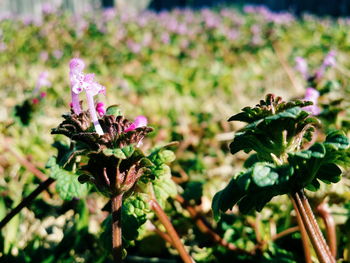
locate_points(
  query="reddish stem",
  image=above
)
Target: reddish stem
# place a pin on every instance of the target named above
(26, 201)
(163, 235)
(27, 164)
(285, 232)
(314, 232)
(328, 220)
(171, 231)
(205, 227)
(304, 237)
(117, 247)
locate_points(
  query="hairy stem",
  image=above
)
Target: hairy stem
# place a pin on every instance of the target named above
(314, 233)
(328, 220)
(163, 235)
(171, 231)
(117, 247)
(312, 218)
(304, 237)
(26, 201)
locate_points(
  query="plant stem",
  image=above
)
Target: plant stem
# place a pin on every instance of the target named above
(26, 201)
(171, 231)
(163, 235)
(312, 228)
(328, 220)
(205, 227)
(117, 247)
(285, 232)
(304, 237)
(312, 218)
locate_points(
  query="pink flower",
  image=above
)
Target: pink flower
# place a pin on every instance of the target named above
(329, 60)
(301, 66)
(140, 121)
(42, 80)
(312, 95)
(101, 109)
(81, 82)
(35, 101)
(76, 65)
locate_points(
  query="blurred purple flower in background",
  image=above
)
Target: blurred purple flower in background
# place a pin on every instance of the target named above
(42, 81)
(301, 66)
(48, 8)
(328, 62)
(312, 95)
(165, 38)
(109, 14)
(133, 46)
(44, 56)
(57, 54)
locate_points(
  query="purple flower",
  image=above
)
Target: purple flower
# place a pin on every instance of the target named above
(134, 47)
(140, 121)
(48, 8)
(80, 82)
(249, 9)
(44, 56)
(165, 38)
(57, 54)
(329, 60)
(301, 66)
(100, 108)
(42, 81)
(312, 95)
(109, 14)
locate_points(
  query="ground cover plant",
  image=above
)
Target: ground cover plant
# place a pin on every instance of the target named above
(174, 180)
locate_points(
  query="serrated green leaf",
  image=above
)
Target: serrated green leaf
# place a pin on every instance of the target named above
(166, 156)
(263, 175)
(68, 186)
(337, 140)
(163, 171)
(121, 153)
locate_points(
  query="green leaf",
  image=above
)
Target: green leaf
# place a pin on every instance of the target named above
(193, 191)
(292, 113)
(166, 156)
(120, 153)
(329, 173)
(263, 175)
(163, 189)
(68, 186)
(231, 194)
(337, 140)
(163, 171)
(113, 110)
